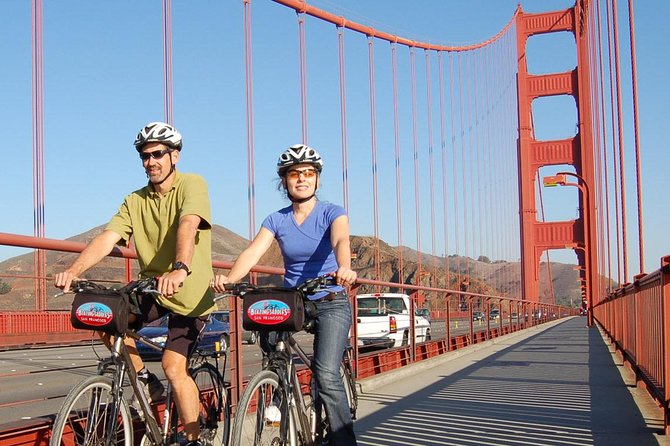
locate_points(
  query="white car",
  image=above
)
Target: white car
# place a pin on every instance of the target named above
(383, 320)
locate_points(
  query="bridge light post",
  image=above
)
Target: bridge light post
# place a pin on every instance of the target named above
(560, 179)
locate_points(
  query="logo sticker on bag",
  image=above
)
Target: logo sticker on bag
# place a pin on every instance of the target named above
(269, 312)
(94, 313)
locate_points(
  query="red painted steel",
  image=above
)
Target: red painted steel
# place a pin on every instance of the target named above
(536, 237)
(638, 167)
(622, 172)
(637, 320)
(301, 7)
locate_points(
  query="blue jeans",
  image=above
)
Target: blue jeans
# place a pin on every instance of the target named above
(331, 336)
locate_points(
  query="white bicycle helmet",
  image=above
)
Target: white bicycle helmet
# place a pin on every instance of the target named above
(298, 154)
(158, 132)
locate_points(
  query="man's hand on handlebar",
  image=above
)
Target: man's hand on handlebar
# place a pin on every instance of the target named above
(64, 280)
(169, 283)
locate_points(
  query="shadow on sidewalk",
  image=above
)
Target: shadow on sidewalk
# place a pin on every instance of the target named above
(558, 387)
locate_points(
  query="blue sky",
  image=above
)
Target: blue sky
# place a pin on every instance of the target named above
(103, 80)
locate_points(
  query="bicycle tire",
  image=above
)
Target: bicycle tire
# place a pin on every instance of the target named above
(251, 426)
(350, 389)
(214, 416)
(85, 412)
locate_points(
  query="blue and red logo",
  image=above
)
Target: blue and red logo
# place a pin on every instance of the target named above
(269, 312)
(94, 313)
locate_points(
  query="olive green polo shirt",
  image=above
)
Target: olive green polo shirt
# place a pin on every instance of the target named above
(152, 220)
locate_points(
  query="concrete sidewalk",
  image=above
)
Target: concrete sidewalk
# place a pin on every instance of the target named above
(558, 384)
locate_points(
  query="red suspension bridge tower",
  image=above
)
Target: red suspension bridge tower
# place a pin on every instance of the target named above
(578, 151)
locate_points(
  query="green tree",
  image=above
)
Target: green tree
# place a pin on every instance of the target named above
(5, 287)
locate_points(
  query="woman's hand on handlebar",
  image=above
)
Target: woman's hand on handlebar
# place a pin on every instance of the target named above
(345, 276)
(219, 283)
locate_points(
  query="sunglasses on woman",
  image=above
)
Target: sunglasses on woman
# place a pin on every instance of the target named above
(295, 174)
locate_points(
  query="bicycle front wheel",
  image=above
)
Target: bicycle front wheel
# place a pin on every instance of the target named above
(90, 415)
(258, 418)
(214, 414)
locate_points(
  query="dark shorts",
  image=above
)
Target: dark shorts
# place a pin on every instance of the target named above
(183, 331)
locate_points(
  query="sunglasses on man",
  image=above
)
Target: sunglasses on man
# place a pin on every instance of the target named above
(156, 154)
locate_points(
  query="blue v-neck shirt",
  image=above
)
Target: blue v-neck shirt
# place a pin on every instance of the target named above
(306, 248)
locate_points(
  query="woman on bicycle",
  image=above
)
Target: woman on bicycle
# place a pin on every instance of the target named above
(314, 240)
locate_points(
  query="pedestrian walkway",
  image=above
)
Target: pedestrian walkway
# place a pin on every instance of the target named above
(557, 384)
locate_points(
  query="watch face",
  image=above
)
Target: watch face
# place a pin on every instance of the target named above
(181, 265)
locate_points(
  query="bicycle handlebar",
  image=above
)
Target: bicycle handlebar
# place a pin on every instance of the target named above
(143, 286)
(308, 287)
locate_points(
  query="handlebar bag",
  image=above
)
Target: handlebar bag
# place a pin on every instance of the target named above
(101, 310)
(273, 309)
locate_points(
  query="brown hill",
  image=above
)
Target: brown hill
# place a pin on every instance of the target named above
(499, 278)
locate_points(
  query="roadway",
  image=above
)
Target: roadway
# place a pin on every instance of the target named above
(33, 382)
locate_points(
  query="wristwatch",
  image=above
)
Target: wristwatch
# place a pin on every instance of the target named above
(181, 265)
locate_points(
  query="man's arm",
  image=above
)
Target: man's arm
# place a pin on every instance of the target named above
(169, 283)
(339, 238)
(99, 247)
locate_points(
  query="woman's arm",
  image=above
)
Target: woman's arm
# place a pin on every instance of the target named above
(339, 238)
(246, 260)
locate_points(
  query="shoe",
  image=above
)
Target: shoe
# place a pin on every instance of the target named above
(272, 414)
(195, 443)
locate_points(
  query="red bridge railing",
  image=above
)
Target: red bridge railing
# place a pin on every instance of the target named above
(24, 328)
(636, 318)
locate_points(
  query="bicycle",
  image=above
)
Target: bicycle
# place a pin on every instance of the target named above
(95, 412)
(303, 420)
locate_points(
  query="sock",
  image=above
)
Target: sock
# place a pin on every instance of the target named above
(143, 374)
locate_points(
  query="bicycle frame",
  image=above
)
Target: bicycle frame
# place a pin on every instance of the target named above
(121, 359)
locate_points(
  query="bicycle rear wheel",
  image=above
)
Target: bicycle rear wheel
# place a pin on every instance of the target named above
(350, 389)
(258, 418)
(214, 414)
(89, 415)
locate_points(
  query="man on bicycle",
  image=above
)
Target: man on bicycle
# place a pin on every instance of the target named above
(169, 221)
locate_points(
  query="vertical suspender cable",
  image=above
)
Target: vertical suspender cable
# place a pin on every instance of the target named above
(598, 107)
(343, 118)
(614, 144)
(464, 167)
(39, 257)
(622, 174)
(443, 154)
(373, 149)
(488, 161)
(249, 101)
(638, 167)
(472, 149)
(454, 166)
(167, 60)
(509, 124)
(431, 168)
(303, 74)
(478, 160)
(417, 195)
(396, 140)
(608, 242)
